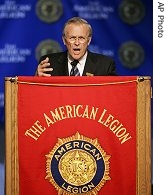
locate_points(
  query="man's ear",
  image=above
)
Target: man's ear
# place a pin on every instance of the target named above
(63, 39)
(90, 38)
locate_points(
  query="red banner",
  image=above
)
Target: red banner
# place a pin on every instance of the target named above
(77, 135)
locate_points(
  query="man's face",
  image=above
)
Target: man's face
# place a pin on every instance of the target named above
(77, 40)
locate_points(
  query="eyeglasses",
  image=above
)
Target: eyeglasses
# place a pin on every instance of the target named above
(74, 39)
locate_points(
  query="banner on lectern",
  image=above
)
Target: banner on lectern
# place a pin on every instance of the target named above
(76, 135)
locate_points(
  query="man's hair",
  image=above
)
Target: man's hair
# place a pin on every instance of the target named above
(78, 20)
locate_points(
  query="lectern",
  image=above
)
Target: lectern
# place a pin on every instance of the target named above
(78, 135)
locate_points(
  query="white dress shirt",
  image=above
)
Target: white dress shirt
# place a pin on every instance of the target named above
(80, 65)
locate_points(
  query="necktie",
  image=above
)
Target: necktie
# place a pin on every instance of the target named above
(74, 70)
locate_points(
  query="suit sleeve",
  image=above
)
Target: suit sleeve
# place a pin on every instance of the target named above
(112, 69)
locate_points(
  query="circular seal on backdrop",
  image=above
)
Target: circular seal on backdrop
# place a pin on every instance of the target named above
(46, 47)
(77, 165)
(131, 11)
(131, 54)
(49, 10)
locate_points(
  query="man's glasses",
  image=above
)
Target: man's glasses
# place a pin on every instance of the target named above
(79, 39)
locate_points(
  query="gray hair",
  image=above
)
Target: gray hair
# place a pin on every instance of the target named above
(78, 20)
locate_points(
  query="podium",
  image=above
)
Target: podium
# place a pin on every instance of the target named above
(78, 135)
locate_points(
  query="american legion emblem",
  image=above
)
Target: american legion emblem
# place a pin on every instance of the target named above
(77, 165)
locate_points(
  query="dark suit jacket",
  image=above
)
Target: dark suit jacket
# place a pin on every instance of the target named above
(96, 64)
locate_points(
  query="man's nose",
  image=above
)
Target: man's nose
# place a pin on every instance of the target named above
(77, 41)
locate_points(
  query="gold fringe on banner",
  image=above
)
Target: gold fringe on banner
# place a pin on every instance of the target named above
(139, 79)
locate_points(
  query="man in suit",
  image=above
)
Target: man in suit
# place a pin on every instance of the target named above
(77, 35)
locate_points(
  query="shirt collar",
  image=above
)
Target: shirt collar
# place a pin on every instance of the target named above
(81, 61)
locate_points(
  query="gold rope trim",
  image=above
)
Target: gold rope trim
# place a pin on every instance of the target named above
(139, 79)
(76, 85)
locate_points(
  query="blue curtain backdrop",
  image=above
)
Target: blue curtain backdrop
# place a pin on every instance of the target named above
(122, 29)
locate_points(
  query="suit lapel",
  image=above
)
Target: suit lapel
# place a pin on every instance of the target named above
(89, 69)
(63, 65)
(90, 65)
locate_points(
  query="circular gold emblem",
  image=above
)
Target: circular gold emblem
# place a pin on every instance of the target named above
(49, 10)
(46, 47)
(131, 11)
(131, 54)
(77, 165)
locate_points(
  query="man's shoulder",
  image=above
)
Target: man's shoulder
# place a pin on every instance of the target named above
(54, 55)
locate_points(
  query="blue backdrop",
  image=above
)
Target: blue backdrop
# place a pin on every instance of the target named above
(122, 29)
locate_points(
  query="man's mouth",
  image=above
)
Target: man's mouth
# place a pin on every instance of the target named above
(76, 49)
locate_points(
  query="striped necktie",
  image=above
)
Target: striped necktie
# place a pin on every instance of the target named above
(74, 70)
